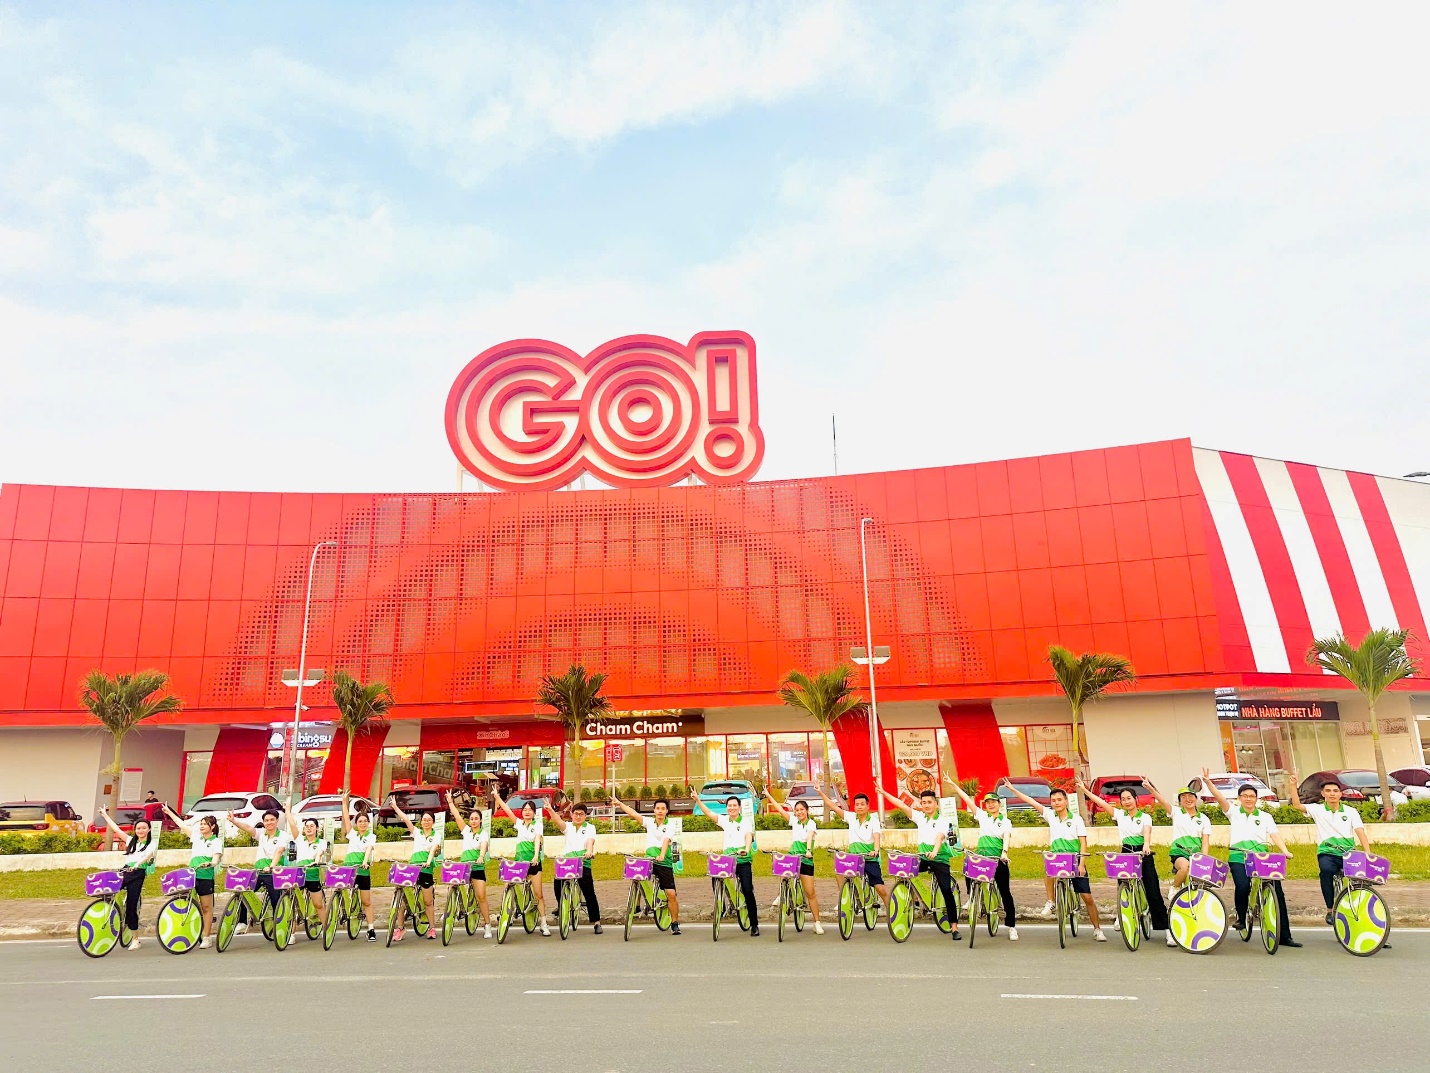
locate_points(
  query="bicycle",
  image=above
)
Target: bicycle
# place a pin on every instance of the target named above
(567, 871)
(288, 907)
(180, 921)
(337, 881)
(518, 901)
(1196, 915)
(1062, 868)
(907, 898)
(645, 896)
(728, 902)
(792, 904)
(1359, 915)
(1134, 917)
(857, 896)
(461, 904)
(983, 896)
(242, 887)
(404, 879)
(1264, 900)
(101, 924)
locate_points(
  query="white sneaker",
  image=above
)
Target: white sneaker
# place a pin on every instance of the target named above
(133, 945)
(1047, 911)
(1170, 940)
(818, 928)
(776, 903)
(207, 942)
(241, 929)
(545, 930)
(487, 932)
(1097, 934)
(1013, 935)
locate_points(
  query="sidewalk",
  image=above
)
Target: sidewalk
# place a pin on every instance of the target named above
(22, 918)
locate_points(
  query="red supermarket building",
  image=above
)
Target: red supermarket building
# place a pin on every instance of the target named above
(1211, 570)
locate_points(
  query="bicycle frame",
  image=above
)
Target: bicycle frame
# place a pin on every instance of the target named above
(568, 871)
(1263, 901)
(856, 894)
(1196, 915)
(1359, 916)
(793, 905)
(908, 900)
(518, 899)
(983, 895)
(644, 896)
(101, 924)
(1134, 919)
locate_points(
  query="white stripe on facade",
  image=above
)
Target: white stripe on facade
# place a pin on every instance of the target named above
(1364, 564)
(1268, 647)
(1305, 559)
(1408, 504)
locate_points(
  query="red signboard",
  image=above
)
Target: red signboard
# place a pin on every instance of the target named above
(614, 754)
(639, 411)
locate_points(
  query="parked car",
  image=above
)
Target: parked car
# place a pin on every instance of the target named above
(1110, 787)
(40, 817)
(1229, 782)
(330, 806)
(1416, 781)
(549, 800)
(245, 806)
(714, 795)
(1357, 784)
(807, 792)
(430, 797)
(1040, 790)
(124, 818)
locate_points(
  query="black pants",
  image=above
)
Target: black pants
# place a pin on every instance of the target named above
(133, 893)
(1332, 865)
(265, 883)
(1243, 897)
(587, 886)
(944, 878)
(1152, 885)
(745, 875)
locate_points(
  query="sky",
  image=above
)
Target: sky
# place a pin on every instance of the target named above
(251, 246)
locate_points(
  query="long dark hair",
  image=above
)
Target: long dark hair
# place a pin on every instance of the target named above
(133, 846)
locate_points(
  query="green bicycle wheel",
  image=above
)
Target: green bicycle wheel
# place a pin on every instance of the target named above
(507, 914)
(180, 924)
(783, 909)
(735, 898)
(1270, 919)
(1144, 911)
(976, 905)
(312, 923)
(99, 926)
(1129, 923)
(869, 898)
(1197, 918)
(801, 906)
(901, 911)
(449, 922)
(228, 923)
(632, 908)
(938, 909)
(417, 909)
(994, 903)
(565, 910)
(1060, 909)
(330, 927)
(285, 913)
(846, 909)
(392, 914)
(470, 910)
(528, 910)
(660, 910)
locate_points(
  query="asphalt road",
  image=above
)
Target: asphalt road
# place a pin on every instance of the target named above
(673, 1005)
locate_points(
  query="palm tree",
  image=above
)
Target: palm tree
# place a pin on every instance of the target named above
(120, 704)
(824, 697)
(1083, 679)
(360, 708)
(1377, 663)
(576, 696)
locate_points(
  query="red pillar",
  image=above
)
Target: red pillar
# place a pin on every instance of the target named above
(974, 739)
(851, 734)
(238, 758)
(367, 747)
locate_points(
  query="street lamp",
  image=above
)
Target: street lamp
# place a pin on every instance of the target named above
(862, 657)
(302, 675)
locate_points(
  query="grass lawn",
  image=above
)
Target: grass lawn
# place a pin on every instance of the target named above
(1407, 863)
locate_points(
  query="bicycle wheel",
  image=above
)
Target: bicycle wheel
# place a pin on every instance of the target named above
(449, 921)
(565, 910)
(995, 908)
(1197, 918)
(1129, 924)
(956, 909)
(801, 905)
(717, 908)
(98, 928)
(470, 910)
(846, 909)
(1270, 910)
(265, 917)
(392, 914)
(527, 900)
(228, 923)
(938, 909)
(417, 910)
(976, 905)
(660, 910)
(783, 909)
(509, 910)
(285, 920)
(352, 912)
(735, 898)
(125, 935)
(1070, 899)
(312, 924)
(632, 908)
(901, 911)
(1360, 920)
(330, 927)
(869, 899)
(180, 924)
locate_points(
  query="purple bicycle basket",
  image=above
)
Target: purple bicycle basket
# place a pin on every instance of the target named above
(720, 866)
(514, 871)
(456, 872)
(978, 869)
(1266, 865)
(638, 868)
(847, 864)
(240, 879)
(102, 883)
(287, 878)
(180, 879)
(1367, 866)
(340, 877)
(404, 875)
(1060, 865)
(569, 867)
(1123, 865)
(903, 865)
(784, 865)
(1205, 868)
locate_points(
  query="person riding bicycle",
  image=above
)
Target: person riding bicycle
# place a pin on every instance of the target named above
(361, 839)
(1134, 827)
(1338, 827)
(865, 837)
(312, 851)
(802, 830)
(1252, 828)
(205, 854)
(529, 830)
(740, 842)
(661, 831)
(1067, 833)
(580, 842)
(141, 848)
(426, 852)
(272, 844)
(995, 838)
(476, 845)
(1191, 833)
(938, 840)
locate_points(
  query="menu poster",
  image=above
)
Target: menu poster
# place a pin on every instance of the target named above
(916, 760)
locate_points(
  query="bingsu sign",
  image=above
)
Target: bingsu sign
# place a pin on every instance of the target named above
(639, 411)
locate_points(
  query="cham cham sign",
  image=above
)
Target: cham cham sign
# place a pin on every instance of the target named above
(639, 411)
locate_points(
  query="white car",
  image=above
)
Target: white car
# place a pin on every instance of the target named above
(1228, 782)
(247, 807)
(330, 806)
(1416, 781)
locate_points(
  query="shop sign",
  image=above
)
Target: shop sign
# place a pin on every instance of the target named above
(645, 725)
(916, 759)
(615, 754)
(310, 736)
(1360, 728)
(639, 411)
(1277, 709)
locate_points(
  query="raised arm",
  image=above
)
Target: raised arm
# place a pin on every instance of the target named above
(632, 813)
(1157, 795)
(1296, 802)
(1021, 795)
(778, 807)
(347, 820)
(965, 798)
(701, 805)
(1092, 798)
(1217, 795)
(907, 810)
(829, 802)
(248, 829)
(292, 823)
(501, 804)
(406, 819)
(113, 827)
(178, 822)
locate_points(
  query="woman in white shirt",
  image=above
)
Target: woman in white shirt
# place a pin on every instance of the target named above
(426, 851)
(361, 841)
(476, 846)
(204, 856)
(802, 830)
(138, 865)
(1134, 828)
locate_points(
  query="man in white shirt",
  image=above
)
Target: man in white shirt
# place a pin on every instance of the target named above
(740, 841)
(581, 842)
(1338, 828)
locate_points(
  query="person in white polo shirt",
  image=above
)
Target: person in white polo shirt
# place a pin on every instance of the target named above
(937, 845)
(739, 829)
(1066, 834)
(1338, 828)
(1252, 829)
(802, 832)
(995, 838)
(1134, 828)
(865, 836)
(580, 842)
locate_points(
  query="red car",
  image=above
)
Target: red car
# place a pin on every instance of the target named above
(1110, 787)
(124, 818)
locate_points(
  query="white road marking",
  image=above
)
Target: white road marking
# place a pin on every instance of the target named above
(587, 991)
(1085, 998)
(115, 998)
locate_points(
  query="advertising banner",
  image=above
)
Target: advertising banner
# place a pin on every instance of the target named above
(916, 758)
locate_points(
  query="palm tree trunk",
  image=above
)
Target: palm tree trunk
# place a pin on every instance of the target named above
(348, 765)
(576, 762)
(1387, 807)
(828, 766)
(114, 786)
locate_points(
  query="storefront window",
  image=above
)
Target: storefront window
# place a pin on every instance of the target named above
(196, 775)
(789, 756)
(1265, 748)
(665, 762)
(817, 764)
(629, 763)
(439, 767)
(543, 766)
(1050, 751)
(593, 763)
(705, 760)
(398, 768)
(1015, 748)
(747, 758)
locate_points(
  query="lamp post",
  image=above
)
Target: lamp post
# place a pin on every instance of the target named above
(869, 656)
(303, 676)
